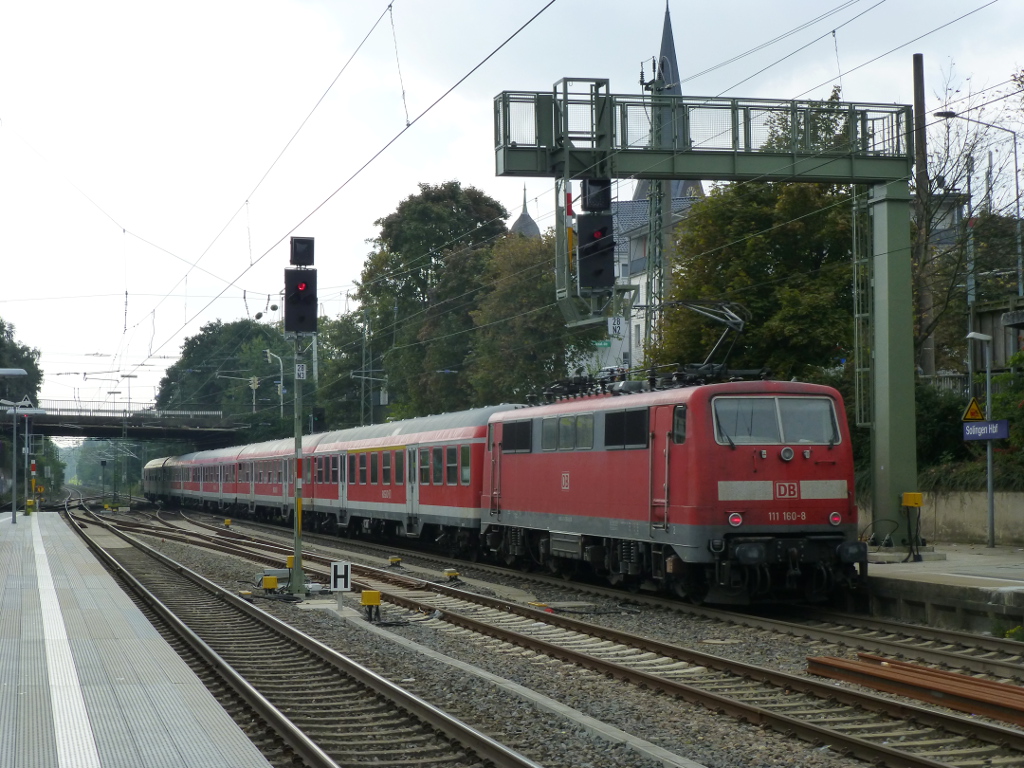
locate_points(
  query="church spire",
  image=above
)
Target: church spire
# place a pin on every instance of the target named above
(525, 225)
(668, 69)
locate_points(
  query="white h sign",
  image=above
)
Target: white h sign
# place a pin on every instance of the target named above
(341, 577)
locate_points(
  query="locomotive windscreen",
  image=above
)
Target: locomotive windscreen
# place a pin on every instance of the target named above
(760, 420)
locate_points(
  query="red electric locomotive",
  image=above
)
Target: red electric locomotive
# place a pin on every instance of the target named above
(729, 492)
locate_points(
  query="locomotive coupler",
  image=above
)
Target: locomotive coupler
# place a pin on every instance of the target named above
(793, 572)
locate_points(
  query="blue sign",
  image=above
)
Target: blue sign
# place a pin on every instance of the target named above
(986, 430)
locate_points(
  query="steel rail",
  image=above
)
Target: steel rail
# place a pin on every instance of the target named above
(904, 641)
(998, 701)
(295, 738)
(862, 748)
(484, 746)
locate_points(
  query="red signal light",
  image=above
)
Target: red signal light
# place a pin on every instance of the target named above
(301, 286)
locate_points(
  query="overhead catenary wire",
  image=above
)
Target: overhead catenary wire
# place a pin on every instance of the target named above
(193, 297)
(366, 164)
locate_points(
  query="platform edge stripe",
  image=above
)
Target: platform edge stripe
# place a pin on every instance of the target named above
(76, 747)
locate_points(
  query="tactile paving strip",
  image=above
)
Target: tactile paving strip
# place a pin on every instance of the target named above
(85, 680)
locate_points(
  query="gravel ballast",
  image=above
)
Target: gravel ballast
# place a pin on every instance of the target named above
(693, 733)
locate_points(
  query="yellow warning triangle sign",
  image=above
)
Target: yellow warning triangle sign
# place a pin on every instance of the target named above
(973, 412)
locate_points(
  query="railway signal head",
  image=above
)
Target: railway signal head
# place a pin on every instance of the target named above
(300, 304)
(302, 251)
(596, 250)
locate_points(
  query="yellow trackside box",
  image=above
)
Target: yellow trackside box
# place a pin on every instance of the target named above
(227, 522)
(290, 562)
(913, 499)
(370, 597)
(270, 582)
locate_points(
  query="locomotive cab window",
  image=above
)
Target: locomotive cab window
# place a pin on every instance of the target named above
(775, 420)
(808, 420)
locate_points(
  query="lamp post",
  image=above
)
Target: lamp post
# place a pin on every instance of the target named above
(1016, 189)
(22, 408)
(5, 372)
(987, 341)
(267, 354)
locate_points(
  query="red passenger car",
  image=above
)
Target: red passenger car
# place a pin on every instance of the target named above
(730, 492)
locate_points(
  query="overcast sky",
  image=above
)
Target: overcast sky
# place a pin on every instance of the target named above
(135, 136)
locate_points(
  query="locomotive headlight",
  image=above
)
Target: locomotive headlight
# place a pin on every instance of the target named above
(735, 519)
(835, 518)
(786, 454)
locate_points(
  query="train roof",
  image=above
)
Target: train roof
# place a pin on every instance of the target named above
(281, 447)
(441, 426)
(643, 399)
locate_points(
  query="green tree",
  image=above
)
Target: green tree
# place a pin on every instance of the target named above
(340, 345)
(783, 251)
(215, 371)
(14, 354)
(521, 342)
(418, 286)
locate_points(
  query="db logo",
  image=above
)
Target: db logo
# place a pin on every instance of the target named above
(786, 491)
(565, 481)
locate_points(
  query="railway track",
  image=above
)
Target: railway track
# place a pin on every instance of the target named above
(328, 709)
(874, 728)
(997, 657)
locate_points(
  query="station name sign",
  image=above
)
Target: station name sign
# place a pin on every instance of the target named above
(986, 430)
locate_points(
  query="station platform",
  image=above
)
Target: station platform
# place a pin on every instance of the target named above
(969, 587)
(85, 679)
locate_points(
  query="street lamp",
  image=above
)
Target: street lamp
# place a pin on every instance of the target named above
(1016, 188)
(22, 408)
(267, 354)
(987, 341)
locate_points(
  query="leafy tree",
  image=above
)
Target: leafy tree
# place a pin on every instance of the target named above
(782, 250)
(522, 342)
(215, 370)
(418, 285)
(341, 355)
(14, 354)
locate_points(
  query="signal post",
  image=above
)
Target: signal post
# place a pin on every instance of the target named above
(300, 317)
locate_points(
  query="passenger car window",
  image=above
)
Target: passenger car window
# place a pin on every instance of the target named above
(451, 465)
